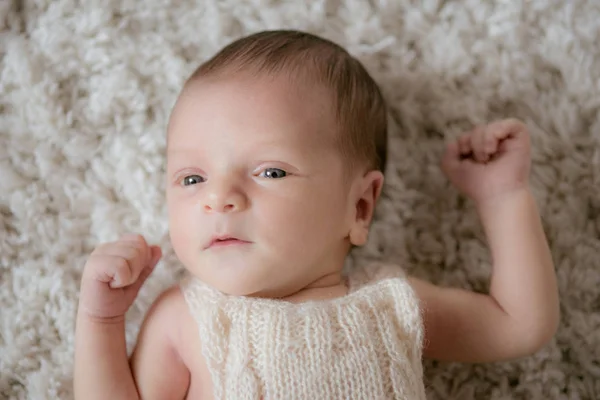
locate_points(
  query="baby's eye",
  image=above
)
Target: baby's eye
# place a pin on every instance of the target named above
(192, 180)
(273, 173)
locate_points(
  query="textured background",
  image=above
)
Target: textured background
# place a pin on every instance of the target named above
(86, 88)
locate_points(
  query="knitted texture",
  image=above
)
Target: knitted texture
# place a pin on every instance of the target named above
(365, 345)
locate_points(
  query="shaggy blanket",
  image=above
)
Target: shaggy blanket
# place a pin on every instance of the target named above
(87, 86)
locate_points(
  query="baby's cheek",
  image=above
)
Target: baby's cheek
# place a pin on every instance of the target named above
(181, 231)
(303, 224)
(278, 224)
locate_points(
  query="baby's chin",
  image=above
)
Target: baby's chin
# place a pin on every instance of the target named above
(245, 280)
(239, 287)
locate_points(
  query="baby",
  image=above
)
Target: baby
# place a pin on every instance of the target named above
(275, 158)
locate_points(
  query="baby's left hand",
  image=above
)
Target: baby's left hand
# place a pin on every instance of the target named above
(490, 161)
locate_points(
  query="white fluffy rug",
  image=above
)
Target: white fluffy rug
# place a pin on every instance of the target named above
(85, 94)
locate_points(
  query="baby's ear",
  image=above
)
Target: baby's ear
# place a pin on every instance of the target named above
(368, 191)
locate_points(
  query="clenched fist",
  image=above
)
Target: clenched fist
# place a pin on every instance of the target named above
(114, 274)
(490, 161)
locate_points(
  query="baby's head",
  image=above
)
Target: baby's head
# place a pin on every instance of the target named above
(279, 142)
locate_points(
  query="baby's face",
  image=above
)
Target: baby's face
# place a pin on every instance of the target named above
(254, 161)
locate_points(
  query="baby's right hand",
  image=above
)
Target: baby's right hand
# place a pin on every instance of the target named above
(113, 276)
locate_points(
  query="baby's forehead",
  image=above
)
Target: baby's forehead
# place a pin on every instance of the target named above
(256, 100)
(261, 117)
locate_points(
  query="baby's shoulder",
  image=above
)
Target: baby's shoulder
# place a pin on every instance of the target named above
(170, 319)
(383, 279)
(166, 314)
(169, 303)
(373, 272)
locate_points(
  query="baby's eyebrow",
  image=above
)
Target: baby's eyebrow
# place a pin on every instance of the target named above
(182, 151)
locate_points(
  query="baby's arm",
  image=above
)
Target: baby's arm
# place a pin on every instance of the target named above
(101, 367)
(111, 279)
(521, 312)
(155, 370)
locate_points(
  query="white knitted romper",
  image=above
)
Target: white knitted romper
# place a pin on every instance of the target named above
(365, 345)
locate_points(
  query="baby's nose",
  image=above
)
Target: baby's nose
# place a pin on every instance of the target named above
(225, 201)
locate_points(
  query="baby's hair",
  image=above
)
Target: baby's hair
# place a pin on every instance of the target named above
(359, 104)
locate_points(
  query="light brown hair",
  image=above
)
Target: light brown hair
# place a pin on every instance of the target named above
(358, 102)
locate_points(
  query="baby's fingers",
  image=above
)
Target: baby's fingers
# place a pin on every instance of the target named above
(496, 135)
(120, 263)
(511, 131)
(123, 272)
(483, 145)
(137, 242)
(506, 128)
(141, 260)
(465, 148)
(145, 272)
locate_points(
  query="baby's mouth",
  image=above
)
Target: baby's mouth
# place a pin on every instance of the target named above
(225, 241)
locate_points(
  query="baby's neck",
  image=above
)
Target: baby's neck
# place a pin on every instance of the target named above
(327, 287)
